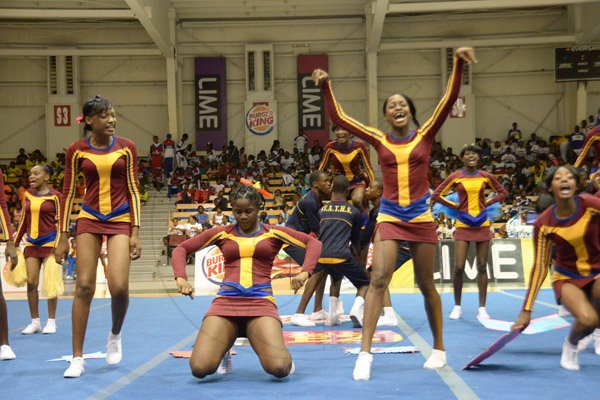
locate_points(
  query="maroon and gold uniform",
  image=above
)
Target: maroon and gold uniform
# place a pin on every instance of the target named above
(577, 243)
(404, 213)
(5, 224)
(39, 222)
(111, 204)
(592, 141)
(472, 223)
(248, 259)
(351, 161)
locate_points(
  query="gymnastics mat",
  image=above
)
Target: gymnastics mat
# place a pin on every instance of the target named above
(497, 345)
(384, 350)
(89, 356)
(538, 325)
(287, 319)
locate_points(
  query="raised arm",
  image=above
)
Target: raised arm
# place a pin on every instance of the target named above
(592, 137)
(337, 115)
(433, 124)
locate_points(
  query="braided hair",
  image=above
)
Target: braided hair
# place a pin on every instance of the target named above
(246, 192)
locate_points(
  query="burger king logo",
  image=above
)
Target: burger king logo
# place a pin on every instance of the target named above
(213, 265)
(260, 119)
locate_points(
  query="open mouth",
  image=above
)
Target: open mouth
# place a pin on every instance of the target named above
(400, 116)
(565, 189)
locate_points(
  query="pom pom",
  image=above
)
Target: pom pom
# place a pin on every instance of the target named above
(80, 119)
(52, 279)
(18, 276)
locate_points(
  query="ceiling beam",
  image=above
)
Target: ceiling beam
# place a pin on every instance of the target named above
(74, 51)
(474, 5)
(475, 42)
(28, 13)
(154, 17)
(378, 11)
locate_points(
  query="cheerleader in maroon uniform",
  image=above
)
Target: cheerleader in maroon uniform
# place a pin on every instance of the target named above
(6, 353)
(350, 158)
(472, 223)
(404, 213)
(572, 228)
(41, 206)
(244, 305)
(111, 207)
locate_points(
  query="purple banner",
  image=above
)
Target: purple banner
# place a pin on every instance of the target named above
(211, 102)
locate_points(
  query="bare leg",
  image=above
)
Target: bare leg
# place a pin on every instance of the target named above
(117, 275)
(3, 319)
(384, 257)
(461, 249)
(33, 266)
(215, 338)
(266, 337)
(585, 314)
(335, 286)
(482, 249)
(87, 262)
(319, 291)
(424, 259)
(309, 288)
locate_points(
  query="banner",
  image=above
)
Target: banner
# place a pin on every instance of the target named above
(211, 102)
(312, 118)
(261, 125)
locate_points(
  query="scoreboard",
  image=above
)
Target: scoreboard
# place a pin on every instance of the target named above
(578, 63)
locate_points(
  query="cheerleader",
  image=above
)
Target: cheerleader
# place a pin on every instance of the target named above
(244, 305)
(41, 206)
(404, 213)
(572, 228)
(472, 223)
(111, 207)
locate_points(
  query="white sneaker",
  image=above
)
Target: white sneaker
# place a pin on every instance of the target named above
(293, 369)
(362, 368)
(482, 313)
(226, 365)
(301, 320)
(563, 312)
(50, 327)
(387, 320)
(114, 350)
(76, 368)
(596, 336)
(584, 343)
(456, 312)
(34, 327)
(570, 357)
(320, 315)
(6, 353)
(357, 312)
(436, 360)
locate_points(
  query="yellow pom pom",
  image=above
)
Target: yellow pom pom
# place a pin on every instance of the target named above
(18, 276)
(52, 278)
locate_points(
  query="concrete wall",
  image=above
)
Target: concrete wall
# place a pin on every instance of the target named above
(509, 83)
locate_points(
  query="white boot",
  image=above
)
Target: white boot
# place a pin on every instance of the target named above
(570, 356)
(357, 312)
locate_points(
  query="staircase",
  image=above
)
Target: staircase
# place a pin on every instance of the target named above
(154, 223)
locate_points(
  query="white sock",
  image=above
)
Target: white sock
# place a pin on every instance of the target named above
(51, 321)
(35, 321)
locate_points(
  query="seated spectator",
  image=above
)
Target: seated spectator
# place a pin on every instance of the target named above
(143, 195)
(287, 178)
(22, 157)
(217, 217)
(184, 196)
(174, 229)
(280, 221)
(202, 217)
(521, 150)
(446, 231)
(192, 227)
(220, 201)
(285, 212)
(17, 214)
(263, 217)
(217, 186)
(508, 158)
(278, 200)
(497, 149)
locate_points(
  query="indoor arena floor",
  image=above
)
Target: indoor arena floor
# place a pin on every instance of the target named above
(526, 368)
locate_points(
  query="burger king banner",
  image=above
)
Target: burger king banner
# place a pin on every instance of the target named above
(261, 125)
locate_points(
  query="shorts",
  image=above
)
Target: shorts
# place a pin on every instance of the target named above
(350, 269)
(421, 232)
(298, 254)
(402, 256)
(476, 234)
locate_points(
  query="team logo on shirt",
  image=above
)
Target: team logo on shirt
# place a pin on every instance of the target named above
(260, 119)
(213, 265)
